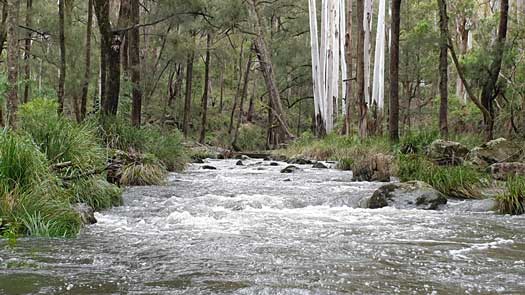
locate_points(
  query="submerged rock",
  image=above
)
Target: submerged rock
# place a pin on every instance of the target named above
(319, 165)
(290, 169)
(208, 167)
(274, 164)
(447, 152)
(87, 214)
(239, 163)
(495, 151)
(375, 168)
(502, 171)
(405, 195)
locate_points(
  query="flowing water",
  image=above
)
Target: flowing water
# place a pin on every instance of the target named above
(252, 230)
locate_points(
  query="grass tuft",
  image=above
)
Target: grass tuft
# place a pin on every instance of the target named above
(513, 201)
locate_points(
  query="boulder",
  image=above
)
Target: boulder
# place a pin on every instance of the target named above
(495, 151)
(239, 163)
(502, 171)
(374, 168)
(274, 164)
(405, 195)
(319, 165)
(299, 161)
(290, 169)
(447, 152)
(87, 214)
(208, 167)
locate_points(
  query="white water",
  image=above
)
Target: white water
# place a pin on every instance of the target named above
(253, 230)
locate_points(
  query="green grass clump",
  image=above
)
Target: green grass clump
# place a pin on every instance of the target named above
(147, 170)
(96, 192)
(461, 182)
(168, 148)
(345, 164)
(417, 142)
(31, 201)
(513, 200)
(62, 140)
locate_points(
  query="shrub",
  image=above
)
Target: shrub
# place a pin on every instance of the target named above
(417, 142)
(454, 181)
(168, 148)
(251, 138)
(345, 164)
(513, 200)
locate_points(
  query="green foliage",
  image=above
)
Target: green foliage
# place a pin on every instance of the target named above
(167, 147)
(251, 138)
(454, 181)
(59, 138)
(144, 171)
(417, 142)
(513, 200)
(96, 192)
(345, 164)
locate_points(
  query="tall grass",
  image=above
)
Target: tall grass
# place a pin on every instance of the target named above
(96, 192)
(145, 170)
(513, 200)
(459, 181)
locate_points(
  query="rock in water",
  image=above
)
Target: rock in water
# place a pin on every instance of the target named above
(299, 161)
(405, 195)
(495, 151)
(319, 165)
(375, 168)
(502, 171)
(290, 169)
(208, 167)
(274, 164)
(239, 163)
(87, 214)
(197, 161)
(447, 152)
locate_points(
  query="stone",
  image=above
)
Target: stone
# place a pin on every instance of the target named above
(405, 195)
(87, 214)
(274, 164)
(374, 168)
(319, 165)
(239, 163)
(299, 161)
(502, 171)
(495, 151)
(197, 161)
(447, 152)
(208, 167)
(290, 169)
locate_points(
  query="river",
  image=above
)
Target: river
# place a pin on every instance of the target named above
(252, 230)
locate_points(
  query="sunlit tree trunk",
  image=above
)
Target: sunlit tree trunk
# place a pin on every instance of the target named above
(378, 89)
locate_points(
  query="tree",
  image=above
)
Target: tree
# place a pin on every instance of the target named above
(13, 8)
(206, 93)
(87, 62)
(394, 72)
(189, 95)
(443, 68)
(27, 50)
(134, 63)
(361, 97)
(62, 70)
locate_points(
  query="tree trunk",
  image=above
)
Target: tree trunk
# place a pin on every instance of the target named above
(206, 89)
(27, 51)
(350, 69)
(490, 92)
(3, 26)
(251, 106)
(443, 69)
(134, 63)
(244, 94)
(187, 101)
(238, 91)
(13, 8)
(221, 79)
(266, 66)
(363, 108)
(87, 61)
(394, 72)
(62, 41)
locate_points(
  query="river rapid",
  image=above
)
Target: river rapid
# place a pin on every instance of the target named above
(253, 230)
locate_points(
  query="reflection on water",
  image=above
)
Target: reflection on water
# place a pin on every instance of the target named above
(252, 230)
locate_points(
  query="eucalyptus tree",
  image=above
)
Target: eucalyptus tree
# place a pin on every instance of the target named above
(13, 10)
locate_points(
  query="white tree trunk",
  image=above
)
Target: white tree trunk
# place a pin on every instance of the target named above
(378, 90)
(316, 73)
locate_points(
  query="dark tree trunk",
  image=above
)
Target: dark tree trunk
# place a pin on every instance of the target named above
(394, 72)
(134, 62)
(362, 104)
(87, 63)
(13, 8)
(3, 26)
(27, 51)
(244, 94)
(62, 41)
(238, 91)
(443, 69)
(221, 102)
(202, 136)
(350, 70)
(490, 92)
(251, 106)
(187, 100)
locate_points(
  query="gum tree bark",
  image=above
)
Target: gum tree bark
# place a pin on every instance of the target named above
(13, 8)
(134, 64)
(443, 69)
(361, 98)
(393, 126)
